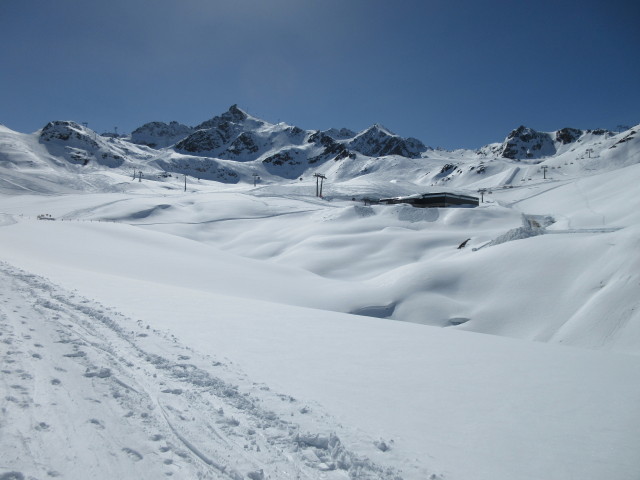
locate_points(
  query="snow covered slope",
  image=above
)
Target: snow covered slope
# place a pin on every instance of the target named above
(226, 330)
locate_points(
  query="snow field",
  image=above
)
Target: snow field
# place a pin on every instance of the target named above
(146, 406)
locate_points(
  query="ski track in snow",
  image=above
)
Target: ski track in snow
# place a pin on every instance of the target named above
(144, 405)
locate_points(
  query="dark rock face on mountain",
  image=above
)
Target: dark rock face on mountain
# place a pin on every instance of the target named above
(631, 134)
(281, 149)
(78, 145)
(67, 132)
(340, 134)
(232, 135)
(524, 142)
(527, 143)
(202, 141)
(568, 135)
(245, 143)
(236, 135)
(233, 115)
(377, 141)
(160, 134)
(330, 148)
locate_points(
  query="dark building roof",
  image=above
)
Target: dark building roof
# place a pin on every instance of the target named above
(432, 200)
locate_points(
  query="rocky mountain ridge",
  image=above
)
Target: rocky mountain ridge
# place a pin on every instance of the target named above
(160, 134)
(524, 143)
(235, 147)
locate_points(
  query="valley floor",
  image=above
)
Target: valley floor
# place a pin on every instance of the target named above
(87, 392)
(149, 332)
(153, 379)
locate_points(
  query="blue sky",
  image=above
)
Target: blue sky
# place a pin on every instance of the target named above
(451, 73)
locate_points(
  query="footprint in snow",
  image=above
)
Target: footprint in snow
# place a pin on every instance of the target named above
(42, 426)
(97, 423)
(75, 354)
(12, 476)
(174, 391)
(95, 372)
(132, 453)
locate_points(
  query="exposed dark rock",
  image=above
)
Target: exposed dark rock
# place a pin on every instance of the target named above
(244, 143)
(631, 135)
(599, 131)
(233, 115)
(281, 158)
(523, 133)
(524, 142)
(340, 134)
(160, 134)
(67, 132)
(377, 141)
(447, 167)
(568, 135)
(201, 141)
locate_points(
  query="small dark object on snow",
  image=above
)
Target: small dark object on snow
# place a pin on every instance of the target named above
(463, 244)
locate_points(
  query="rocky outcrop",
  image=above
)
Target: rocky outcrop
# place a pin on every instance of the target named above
(525, 142)
(232, 135)
(79, 145)
(160, 134)
(233, 115)
(340, 133)
(244, 144)
(67, 132)
(568, 135)
(202, 141)
(378, 141)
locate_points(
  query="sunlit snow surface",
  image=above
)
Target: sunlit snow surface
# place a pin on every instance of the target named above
(150, 332)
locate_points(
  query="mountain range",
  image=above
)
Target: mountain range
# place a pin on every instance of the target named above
(236, 147)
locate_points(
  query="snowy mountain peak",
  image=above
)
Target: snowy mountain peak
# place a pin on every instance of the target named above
(340, 134)
(525, 142)
(68, 132)
(378, 141)
(236, 135)
(160, 134)
(381, 129)
(79, 145)
(233, 115)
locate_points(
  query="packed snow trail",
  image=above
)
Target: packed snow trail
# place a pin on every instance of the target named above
(88, 393)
